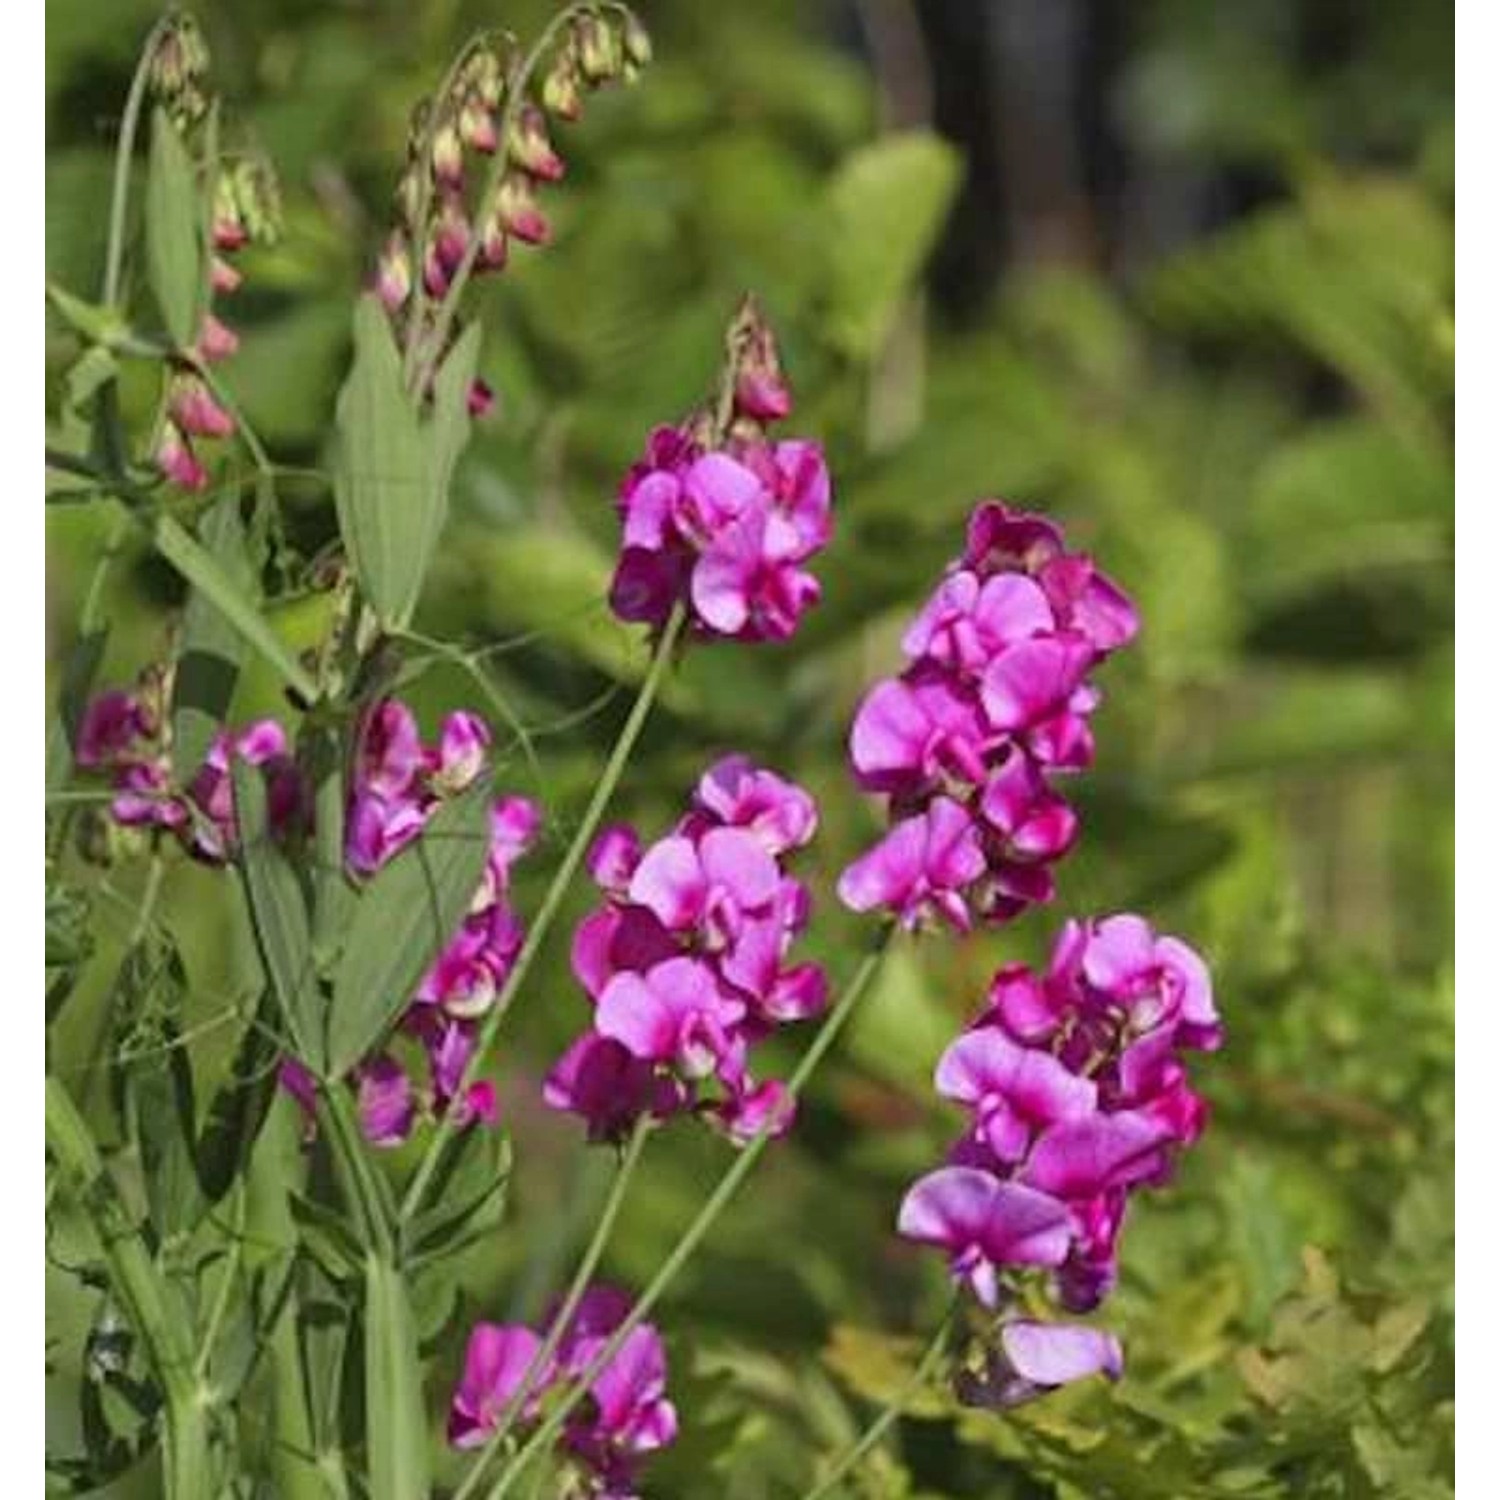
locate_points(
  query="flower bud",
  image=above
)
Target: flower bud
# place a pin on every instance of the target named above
(448, 155)
(481, 398)
(259, 197)
(516, 208)
(636, 41)
(393, 274)
(179, 60)
(494, 245)
(484, 75)
(450, 234)
(760, 392)
(476, 125)
(215, 341)
(599, 55)
(223, 276)
(409, 198)
(229, 232)
(529, 147)
(177, 461)
(195, 410)
(561, 95)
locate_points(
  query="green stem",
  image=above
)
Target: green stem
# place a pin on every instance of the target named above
(564, 1315)
(225, 1290)
(893, 1409)
(366, 1190)
(604, 789)
(124, 150)
(139, 1285)
(707, 1216)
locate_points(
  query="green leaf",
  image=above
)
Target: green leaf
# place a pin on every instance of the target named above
(882, 214)
(326, 1237)
(206, 573)
(393, 470)
(69, 940)
(396, 1423)
(278, 913)
(405, 915)
(470, 1199)
(212, 649)
(174, 244)
(240, 1107)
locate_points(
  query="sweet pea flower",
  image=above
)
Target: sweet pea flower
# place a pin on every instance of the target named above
(984, 1224)
(496, 1360)
(675, 1013)
(920, 868)
(1034, 1358)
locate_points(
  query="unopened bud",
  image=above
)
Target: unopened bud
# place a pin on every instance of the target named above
(484, 76)
(179, 59)
(636, 41)
(599, 55)
(517, 210)
(530, 148)
(476, 125)
(481, 398)
(259, 197)
(215, 341)
(561, 95)
(223, 276)
(409, 198)
(494, 245)
(393, 273)
(448, 155)
(195, 410)
(450, 234)
(229, 231)
(760, 392)
(177, 461)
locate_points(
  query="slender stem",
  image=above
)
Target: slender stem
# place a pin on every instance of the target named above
(892, 1410)
(717, 1201)
(564, 1315)
(226, 1288)
(138, 1283)
(604, 789)
(120, 195)
(366, 1191)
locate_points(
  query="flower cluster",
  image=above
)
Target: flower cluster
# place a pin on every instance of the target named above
(246, 208)
(398, 783)
(686, 961)
(626, 1416)
(442, 220)
(724, 524)
(1076, 1094)
(967, 740)
(128, 734)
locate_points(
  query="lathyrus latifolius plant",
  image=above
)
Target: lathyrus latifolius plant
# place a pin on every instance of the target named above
(261, 1256)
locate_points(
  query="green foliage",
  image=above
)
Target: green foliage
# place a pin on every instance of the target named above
(1251, 430)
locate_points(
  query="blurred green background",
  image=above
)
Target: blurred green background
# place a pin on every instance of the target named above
(1179, 274)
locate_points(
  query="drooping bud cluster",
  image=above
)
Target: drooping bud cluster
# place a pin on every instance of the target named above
(246, 210)
(967, 740)
(128, 734)
(176, 69)
(686, 961)
(444, 211)
(720, 519)
(1076, 1095)
(627, 1416)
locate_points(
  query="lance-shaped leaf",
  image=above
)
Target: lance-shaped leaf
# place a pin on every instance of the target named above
(393, 468)
(278, 912)
(174, 243)
(212, 649)
(405, 916)
(396, 1419)
(240, 1106)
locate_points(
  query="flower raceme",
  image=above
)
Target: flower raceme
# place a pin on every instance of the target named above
(398, 784)
(1076, 1094)
(627, 1416)
(719, 519)
(992, 706)
(686, 961)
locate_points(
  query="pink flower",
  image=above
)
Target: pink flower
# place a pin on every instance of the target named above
(1034, 1358)
(920, 869)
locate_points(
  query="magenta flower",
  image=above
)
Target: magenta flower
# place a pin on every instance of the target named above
(724, 523)
(920, 869)
(994, 701)
(387, 1106)
(495, 1363)
(984, 1224)
(1034, 1358)
(688, 961)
